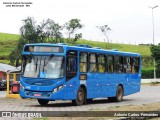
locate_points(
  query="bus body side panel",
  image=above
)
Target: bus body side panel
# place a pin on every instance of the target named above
(94, 84)
(102, 81)
(134, 83)
(72, 88)
(111, 85)
(131, 84)
(121, 80)
(89, 87)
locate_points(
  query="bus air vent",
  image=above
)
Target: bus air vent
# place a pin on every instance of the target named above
(83, 45)
(115, 49)
(97, 47)
(61, 43)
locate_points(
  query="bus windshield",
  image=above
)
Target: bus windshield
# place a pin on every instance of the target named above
(43, 66)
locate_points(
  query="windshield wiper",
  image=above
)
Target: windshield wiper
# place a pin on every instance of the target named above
(46, 61)
(44, 64)
(36, 65)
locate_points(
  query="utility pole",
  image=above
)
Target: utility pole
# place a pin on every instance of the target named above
(154, 63)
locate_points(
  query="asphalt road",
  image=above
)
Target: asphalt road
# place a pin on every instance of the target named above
(148, 94)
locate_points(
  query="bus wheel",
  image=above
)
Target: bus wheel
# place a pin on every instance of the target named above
(119, 94)
(43, 102)
(80, 97)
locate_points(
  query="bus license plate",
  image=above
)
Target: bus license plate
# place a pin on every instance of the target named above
(37, 95)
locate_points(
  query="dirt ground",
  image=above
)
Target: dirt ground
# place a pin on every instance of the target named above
(144, 107)
(151, 84)
(130, 107)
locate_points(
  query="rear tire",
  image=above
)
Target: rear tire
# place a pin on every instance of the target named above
(80, 97)
(43, 102)
(119, 95)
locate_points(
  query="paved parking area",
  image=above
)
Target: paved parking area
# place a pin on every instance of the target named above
(2, 94)
(148, 94)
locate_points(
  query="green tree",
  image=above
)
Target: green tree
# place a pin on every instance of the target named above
(30, 33)
(155, 52)
(72, 26)
(105, 29)
(34, 33)
(55, 34)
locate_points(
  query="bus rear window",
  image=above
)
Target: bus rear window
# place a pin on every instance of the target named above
(56, 49)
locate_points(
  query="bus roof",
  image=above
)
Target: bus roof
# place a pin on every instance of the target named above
(86, 48)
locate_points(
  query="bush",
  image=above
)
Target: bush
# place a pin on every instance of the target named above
(3, 57)
(150, 74)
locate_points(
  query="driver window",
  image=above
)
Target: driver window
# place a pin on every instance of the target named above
(29, 70)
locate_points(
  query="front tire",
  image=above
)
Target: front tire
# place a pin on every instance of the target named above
(43, 102)
(80, 97)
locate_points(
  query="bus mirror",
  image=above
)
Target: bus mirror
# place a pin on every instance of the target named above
(17, 62)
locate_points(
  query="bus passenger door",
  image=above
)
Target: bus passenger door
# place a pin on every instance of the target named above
(71, 73)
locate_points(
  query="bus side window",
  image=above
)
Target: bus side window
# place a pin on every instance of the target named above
(135, 65)
(101, 63)
(93, 61)
(110, 64)
(127, 64)
(83, 62)
(119, 64)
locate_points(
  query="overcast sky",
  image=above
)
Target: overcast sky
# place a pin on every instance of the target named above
(130, 20)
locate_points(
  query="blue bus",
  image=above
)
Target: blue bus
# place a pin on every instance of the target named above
(79, 73)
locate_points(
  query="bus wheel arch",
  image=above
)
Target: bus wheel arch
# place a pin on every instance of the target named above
(80, 96)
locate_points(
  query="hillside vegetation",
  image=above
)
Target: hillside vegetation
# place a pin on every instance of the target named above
(8, 37)
(142, 49)
(8, 43)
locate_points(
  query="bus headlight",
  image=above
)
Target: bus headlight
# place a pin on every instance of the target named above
(21, 86)
(57, 88)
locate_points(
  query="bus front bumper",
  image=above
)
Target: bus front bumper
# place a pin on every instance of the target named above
(48, 95)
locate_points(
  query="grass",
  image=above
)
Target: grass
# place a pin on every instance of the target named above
(8, 37)
(7, 43)
(5, 50)
(4, 61)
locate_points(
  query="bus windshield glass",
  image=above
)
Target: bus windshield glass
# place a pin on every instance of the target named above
(43, 66)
